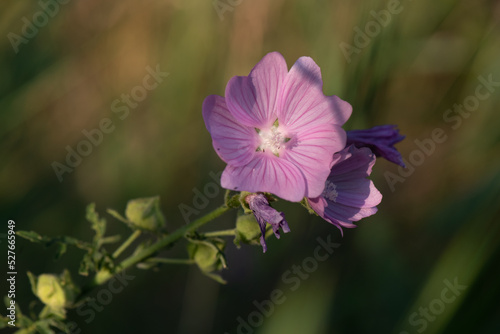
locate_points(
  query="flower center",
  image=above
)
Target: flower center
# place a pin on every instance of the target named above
(330, 191)
(271, 140)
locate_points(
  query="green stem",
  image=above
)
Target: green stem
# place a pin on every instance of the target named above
(171, 261)
(127, 243)
(222, 233)
(104, 275)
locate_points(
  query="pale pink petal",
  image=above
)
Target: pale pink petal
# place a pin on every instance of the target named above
(266, 173)
(312, 151)
(252, 99)
(302, 102)
(233, 142)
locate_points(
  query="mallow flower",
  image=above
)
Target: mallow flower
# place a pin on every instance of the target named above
(264, 213)
(348, 195)
(276, 130)
(380, 139)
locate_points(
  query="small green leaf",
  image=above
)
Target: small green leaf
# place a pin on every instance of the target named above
(61, 249)
(216, 278)
(32, 236)
(43, 327)
(98, 224)
(86, 265)
(118, 216)
(33, 281)
(3, 321)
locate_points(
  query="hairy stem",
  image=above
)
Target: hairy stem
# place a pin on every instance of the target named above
(104, 275)
(222, 233)
(170, 261)
(127, 243)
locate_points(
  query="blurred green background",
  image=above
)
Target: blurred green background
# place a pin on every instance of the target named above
(440, 224)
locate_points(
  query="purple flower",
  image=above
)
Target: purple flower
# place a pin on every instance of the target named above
(348, 195)
(263, 212)
(276, 130)
(380, 139)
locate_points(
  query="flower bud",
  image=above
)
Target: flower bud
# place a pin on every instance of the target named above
(145, 213)
(208, 254)
(247, 230)
(54, 291)
(50, 291)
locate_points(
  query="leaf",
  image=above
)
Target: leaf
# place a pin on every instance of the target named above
(33, 236)
(97, 224)
(3, 321)
(61, 249)
(216, 278)
(43, 327)
(48, 241)
(118, 216)
(33, 281)
(86, 265)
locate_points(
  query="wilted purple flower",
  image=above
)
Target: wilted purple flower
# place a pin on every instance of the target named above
(263, 212)
(276, 129)
(348, 195)
(380, 139)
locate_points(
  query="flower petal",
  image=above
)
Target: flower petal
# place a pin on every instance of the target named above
(380, 139)
(359, 193)
(355, 196)
(252, 99)
(352, 161)
(312, 151)
(264, 213)
(266, 173)
(302, 102)
(233, 142)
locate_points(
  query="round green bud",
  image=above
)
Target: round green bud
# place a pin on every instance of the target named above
(207, 255)
(145, 213)
(247, 229)
(50, 291)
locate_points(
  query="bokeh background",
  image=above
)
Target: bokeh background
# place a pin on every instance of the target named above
(440, 224)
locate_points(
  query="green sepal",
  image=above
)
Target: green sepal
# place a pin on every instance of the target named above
(305, 204)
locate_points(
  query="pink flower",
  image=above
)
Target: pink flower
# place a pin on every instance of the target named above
(276, 130)
(348, 195)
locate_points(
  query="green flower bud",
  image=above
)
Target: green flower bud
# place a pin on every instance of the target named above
(208, 254)
(145, 213)
(55, 292)
(50, 291)
(247, 230)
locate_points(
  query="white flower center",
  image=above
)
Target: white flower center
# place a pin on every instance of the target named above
(330, 192)
(271, 140)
